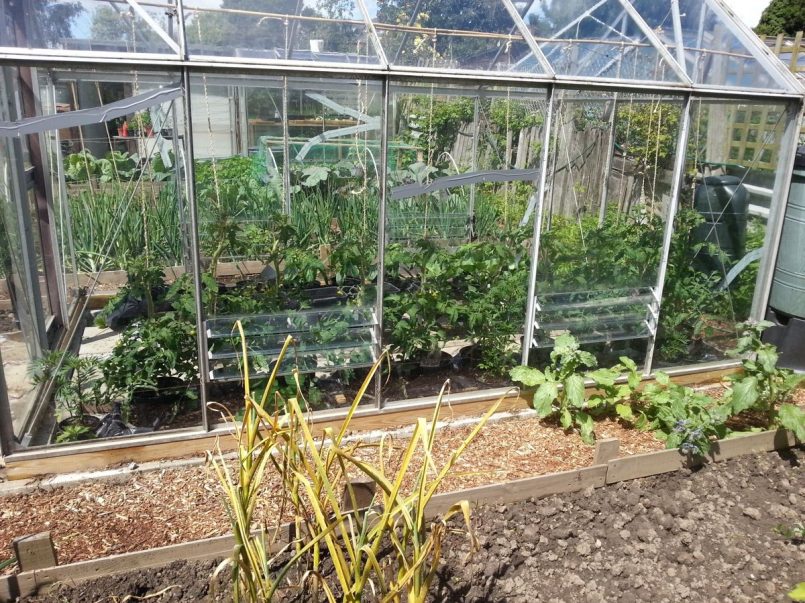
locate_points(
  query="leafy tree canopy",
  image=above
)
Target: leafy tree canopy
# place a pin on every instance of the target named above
(782, 16)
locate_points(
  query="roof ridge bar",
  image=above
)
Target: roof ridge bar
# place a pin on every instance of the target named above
(532, 43)
(655, 41)
(760, 51)
(381, 53)
(143, 14)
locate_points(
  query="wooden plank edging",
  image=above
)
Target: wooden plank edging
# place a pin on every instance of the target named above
(621, 469)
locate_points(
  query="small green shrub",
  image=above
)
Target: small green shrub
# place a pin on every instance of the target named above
(560, 387)
(763, 386)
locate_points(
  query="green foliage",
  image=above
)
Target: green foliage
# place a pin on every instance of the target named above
(689, 296)
(143, 277)
(680, 416)
(624, 250)
(151, 348)
(648, 132)
(76, 380)
(74, 433)
(762, 386)
(97, 216)
(433, 124)
(560, 386)
(475, 292)
(792, 532)
(782, 16)
(390, 548)
(798, 594)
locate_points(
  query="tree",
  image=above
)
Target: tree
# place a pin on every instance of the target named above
(48, 22)
(782, 16)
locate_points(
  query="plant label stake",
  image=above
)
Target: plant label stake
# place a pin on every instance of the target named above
(35, 552)
(606, 450)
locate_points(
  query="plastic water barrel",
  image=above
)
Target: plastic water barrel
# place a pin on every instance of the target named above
(788, 286)
(723, 202)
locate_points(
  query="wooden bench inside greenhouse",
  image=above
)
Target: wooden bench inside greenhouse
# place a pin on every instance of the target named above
(596, 316)
(323, 341)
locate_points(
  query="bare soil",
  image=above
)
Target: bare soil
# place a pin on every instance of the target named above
(705, 535)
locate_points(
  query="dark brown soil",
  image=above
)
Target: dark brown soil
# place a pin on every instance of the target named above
(706, 535)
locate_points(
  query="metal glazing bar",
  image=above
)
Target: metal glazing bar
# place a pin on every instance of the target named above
(381, 228)
(7, 440)
(678, 38)
(528, 332)
(529, 39)
(673, 205)
(370, 26)
(143, 14)
(607, 166)
(411, 21)
(476, 117)
(697, 63)
(777, 209)
(195, 254)
(760, 51)
(14, 57)
(286, 149)
(182, 30)
(655, 41)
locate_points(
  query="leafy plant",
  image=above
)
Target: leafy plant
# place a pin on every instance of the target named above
(680, 416)
(792, 532)
(275, 434)
(149, 349)
(798, 593)
(144, 277)
(763, 386)
(74, 433)
(560, 387)
(76, 380)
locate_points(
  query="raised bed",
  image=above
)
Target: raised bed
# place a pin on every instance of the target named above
(599, 475)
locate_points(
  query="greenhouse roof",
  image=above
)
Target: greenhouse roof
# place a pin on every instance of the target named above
(697, 44)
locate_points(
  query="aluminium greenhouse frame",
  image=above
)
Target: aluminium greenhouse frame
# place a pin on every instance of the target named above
(549, 82)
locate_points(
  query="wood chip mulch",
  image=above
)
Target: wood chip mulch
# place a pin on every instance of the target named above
(151, 509)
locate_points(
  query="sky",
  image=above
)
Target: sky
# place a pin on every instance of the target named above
(748, 10)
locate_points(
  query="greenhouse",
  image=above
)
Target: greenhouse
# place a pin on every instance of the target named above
(444, 186)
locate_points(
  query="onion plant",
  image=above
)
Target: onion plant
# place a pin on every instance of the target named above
(392, 549)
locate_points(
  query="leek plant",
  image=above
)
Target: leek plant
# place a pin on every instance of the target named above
(392, 549)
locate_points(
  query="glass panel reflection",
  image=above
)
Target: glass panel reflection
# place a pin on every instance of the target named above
(90, 25)
(719, 230)
(318, 32)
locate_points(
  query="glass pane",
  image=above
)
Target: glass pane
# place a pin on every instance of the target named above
(714, 54)
(19, 337)
(87, 25)
(318, 32)
(441, 34)
(595, 39)
(604, 220)
(719, 230)
(119, 221)
(464, 172)
(290, 245)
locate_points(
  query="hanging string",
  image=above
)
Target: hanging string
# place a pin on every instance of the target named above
(509, 136)
(210, 142)
(430, 133)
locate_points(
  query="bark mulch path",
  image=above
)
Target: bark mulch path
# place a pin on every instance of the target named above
(688, 536)
(144, 510)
